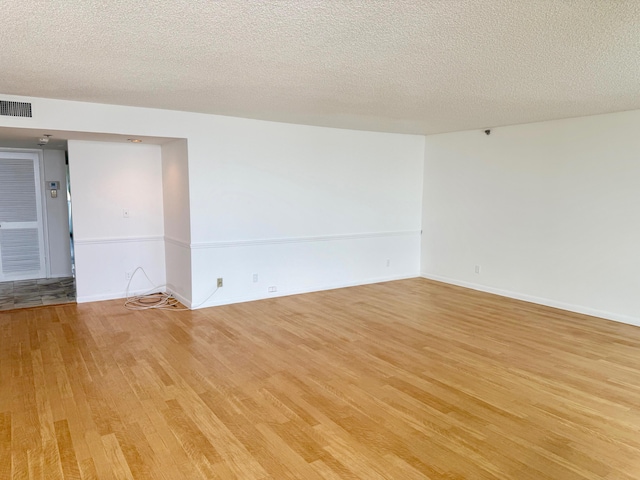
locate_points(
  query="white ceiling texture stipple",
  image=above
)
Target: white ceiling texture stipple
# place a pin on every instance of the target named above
(412, 66)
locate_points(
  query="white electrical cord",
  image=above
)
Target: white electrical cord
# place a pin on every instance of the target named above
(155, 297)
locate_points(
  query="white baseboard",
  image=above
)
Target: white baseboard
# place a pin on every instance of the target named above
(229, 301)
(538, 300)
(180, 298)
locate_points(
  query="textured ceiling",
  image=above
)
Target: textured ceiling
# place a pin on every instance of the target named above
(413, 66)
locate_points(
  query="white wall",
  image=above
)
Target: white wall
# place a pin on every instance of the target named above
(262, 180)
(548, 210)
(306, 208)
(107, 178)
(55, 170)
(177, 218)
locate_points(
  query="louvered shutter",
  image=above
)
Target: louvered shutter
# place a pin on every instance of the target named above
(21, 247)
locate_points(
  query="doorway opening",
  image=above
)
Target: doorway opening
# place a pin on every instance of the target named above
(36, 260)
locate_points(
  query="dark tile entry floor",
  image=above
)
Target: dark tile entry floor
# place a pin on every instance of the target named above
(33, 293)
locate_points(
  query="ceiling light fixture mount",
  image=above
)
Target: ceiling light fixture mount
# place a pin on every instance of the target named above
(42, 141)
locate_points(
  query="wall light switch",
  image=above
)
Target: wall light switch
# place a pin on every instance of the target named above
(125, 212)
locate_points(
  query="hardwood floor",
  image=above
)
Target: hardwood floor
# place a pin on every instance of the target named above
(402, 380)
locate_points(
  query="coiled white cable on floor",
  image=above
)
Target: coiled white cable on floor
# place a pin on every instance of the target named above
(155, 297)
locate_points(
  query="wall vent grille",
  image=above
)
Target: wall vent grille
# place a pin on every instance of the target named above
(15, 109)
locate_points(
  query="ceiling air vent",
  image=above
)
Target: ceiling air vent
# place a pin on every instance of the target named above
(15, 109)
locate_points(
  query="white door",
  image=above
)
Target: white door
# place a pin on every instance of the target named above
(21, 228)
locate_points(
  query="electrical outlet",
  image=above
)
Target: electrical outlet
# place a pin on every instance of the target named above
(478, 269)
(273, 289)
(255, 278)
(388, 262)
(220, 282)
(127, 276)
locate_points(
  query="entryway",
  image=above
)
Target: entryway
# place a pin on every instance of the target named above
(38, 292)
(36, 266)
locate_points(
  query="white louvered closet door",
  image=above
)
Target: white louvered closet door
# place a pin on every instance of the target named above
(21, 228)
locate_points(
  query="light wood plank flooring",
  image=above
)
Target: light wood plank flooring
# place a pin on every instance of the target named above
(401, 380)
